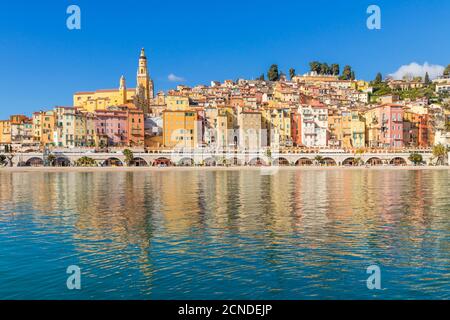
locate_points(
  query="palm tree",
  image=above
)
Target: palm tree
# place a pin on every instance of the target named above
(269, 156)
(128, 156)
(51, 159)
(358, 156)
(319, 159)
(440, 152)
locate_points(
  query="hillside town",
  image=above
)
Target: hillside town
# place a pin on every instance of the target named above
(323, 109)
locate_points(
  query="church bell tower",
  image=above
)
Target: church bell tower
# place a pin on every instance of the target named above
(144, 82)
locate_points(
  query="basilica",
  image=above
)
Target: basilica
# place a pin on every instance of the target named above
(139, 96)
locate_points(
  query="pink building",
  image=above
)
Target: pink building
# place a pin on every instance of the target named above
(385, 126)
(111, 127)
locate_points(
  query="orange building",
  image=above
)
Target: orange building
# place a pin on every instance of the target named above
(180, 128)
(43, 126)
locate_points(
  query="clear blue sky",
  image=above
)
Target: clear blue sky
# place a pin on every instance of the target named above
(42, 63)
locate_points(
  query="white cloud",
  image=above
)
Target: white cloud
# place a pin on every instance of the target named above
(174, 78)
(416, 70)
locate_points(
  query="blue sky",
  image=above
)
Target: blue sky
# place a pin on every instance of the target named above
(42, 63)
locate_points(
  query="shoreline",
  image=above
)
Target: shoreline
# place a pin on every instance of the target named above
(235, 168)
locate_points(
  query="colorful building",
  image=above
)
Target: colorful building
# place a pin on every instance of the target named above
(181, 129)
(102, 99)
(384, 126)
(43, 127)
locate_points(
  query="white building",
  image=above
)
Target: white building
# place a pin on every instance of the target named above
(314, 126)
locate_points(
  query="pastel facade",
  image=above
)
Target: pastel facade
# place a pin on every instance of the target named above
(384, 126)
(296, 128)
(21, 130)
(249, 124)
(314, 126)
(180, 129)
(43, 127)
(5, 132)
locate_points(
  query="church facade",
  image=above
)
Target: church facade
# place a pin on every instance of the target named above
(141, 96)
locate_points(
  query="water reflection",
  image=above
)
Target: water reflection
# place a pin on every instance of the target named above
(227, 234)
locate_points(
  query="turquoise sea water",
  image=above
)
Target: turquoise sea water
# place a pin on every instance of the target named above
(238, 234)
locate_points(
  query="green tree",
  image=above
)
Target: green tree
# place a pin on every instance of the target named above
(85, 162)
(324, 68)
(440, 152)
(447, 71)
(261, 77)
(2, 160)
(291, 73)
(315, 66)
(347, 73)
(335, 70)
(273, 74)
(129, 156)
(416, 158)
(319, 159)
(427, 80)
(352, 75)
(51, 160)
(378, 78)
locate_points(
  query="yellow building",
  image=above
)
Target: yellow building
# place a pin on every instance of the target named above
(180, 128)
(43, 127)
(175, 102)
(347, 130)
(5, 132)
(277, 123)
(101, 99)
(358, 130)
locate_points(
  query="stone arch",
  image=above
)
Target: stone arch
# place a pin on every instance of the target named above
(162, 161)
(257, 162)
(374, 161)
(210, 162)
(34, 162)
(112, 162)
(304, 162)
(282, 162)
(349, 162)
(329, 161)
(61, 162)
(398, 161)
(185, 162)
(138, 162)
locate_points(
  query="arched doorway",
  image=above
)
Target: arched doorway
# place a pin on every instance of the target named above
(62, 162)
(186, 162)
(329, 162)
(257, 162)
(162, 162)
(304, 162)
(282, 162)
(112, 162)
(210, 162)
(34, 162)
(138, 162)
(374, 162)
(349, 162)
(398, 162)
